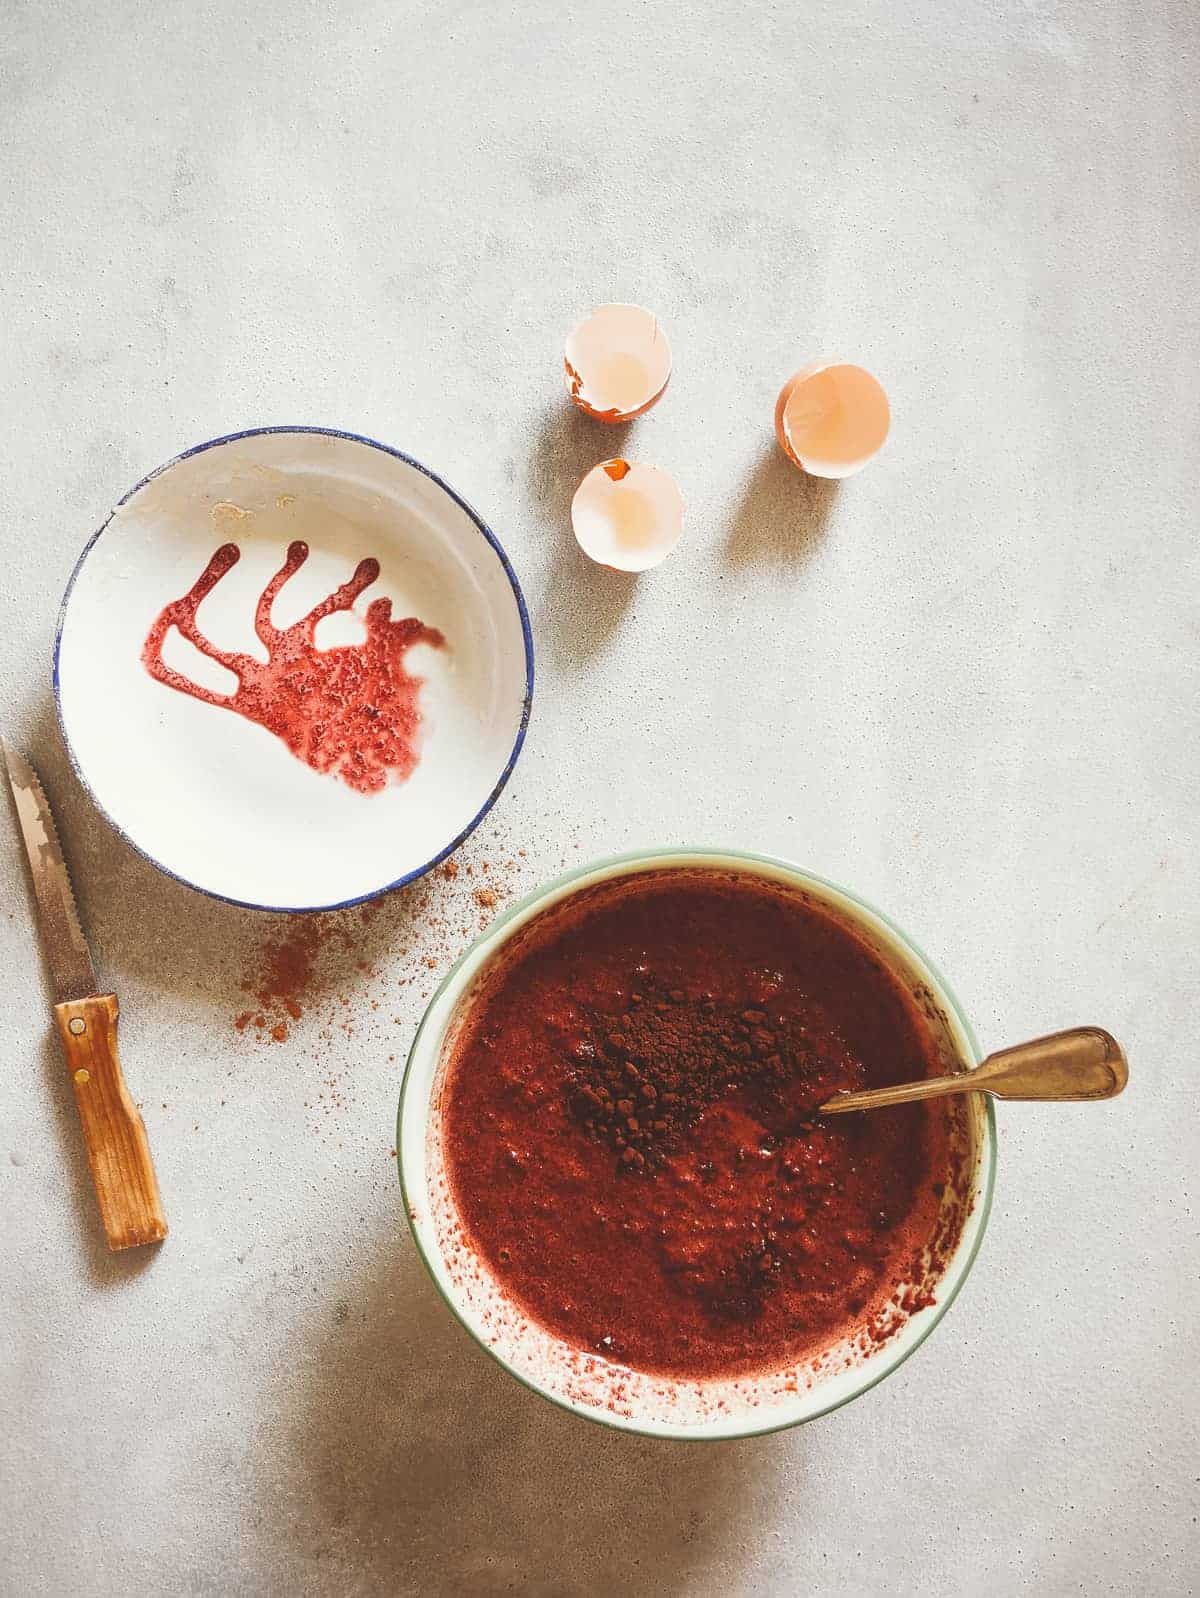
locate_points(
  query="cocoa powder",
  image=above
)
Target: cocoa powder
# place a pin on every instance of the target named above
(639, 1080)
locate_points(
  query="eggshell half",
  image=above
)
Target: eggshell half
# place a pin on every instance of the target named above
(831, 418)
(618, 362)
(627, 515)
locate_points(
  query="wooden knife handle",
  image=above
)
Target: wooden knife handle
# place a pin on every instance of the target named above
(117, 1150)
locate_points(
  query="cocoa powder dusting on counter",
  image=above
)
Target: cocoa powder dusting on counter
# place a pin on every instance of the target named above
(315, 981)
(283, 973)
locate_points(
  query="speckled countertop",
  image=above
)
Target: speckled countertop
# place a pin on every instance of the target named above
(965, 684)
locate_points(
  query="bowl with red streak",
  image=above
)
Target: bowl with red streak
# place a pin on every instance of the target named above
(294, 668)
(646, 1263)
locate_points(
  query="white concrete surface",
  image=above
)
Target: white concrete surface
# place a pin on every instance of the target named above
(964, 683)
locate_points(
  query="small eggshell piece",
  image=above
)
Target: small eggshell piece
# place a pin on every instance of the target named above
(618, 362)
(626, 515)
(832, 418)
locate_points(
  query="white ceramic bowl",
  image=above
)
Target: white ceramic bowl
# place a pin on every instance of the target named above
(218, 800)
(584, 1382)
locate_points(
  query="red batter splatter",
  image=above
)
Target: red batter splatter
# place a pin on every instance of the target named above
(351, 710)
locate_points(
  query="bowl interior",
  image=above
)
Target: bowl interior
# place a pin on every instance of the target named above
(588, 1383)
(219, 800)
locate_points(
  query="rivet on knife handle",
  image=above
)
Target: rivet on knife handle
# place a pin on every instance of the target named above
(113, 1132)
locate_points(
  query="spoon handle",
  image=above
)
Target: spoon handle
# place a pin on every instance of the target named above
(1085, 1063)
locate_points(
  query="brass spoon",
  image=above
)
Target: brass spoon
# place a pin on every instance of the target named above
(1084, 1063)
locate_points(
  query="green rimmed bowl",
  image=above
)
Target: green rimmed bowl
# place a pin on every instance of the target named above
(584, 1382)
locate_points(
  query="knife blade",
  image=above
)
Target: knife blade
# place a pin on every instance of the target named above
(113, 1132)
(67, 955)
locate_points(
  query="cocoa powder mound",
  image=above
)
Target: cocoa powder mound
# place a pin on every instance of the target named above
(640, 1080)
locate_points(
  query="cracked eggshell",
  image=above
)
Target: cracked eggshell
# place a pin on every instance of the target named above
(831, 418)
(626, 515)
(618, 363)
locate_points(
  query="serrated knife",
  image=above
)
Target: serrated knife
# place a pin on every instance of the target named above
(113, 1131)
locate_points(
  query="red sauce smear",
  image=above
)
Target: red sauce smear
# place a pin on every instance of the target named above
(631, 1140)
(352, 710)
